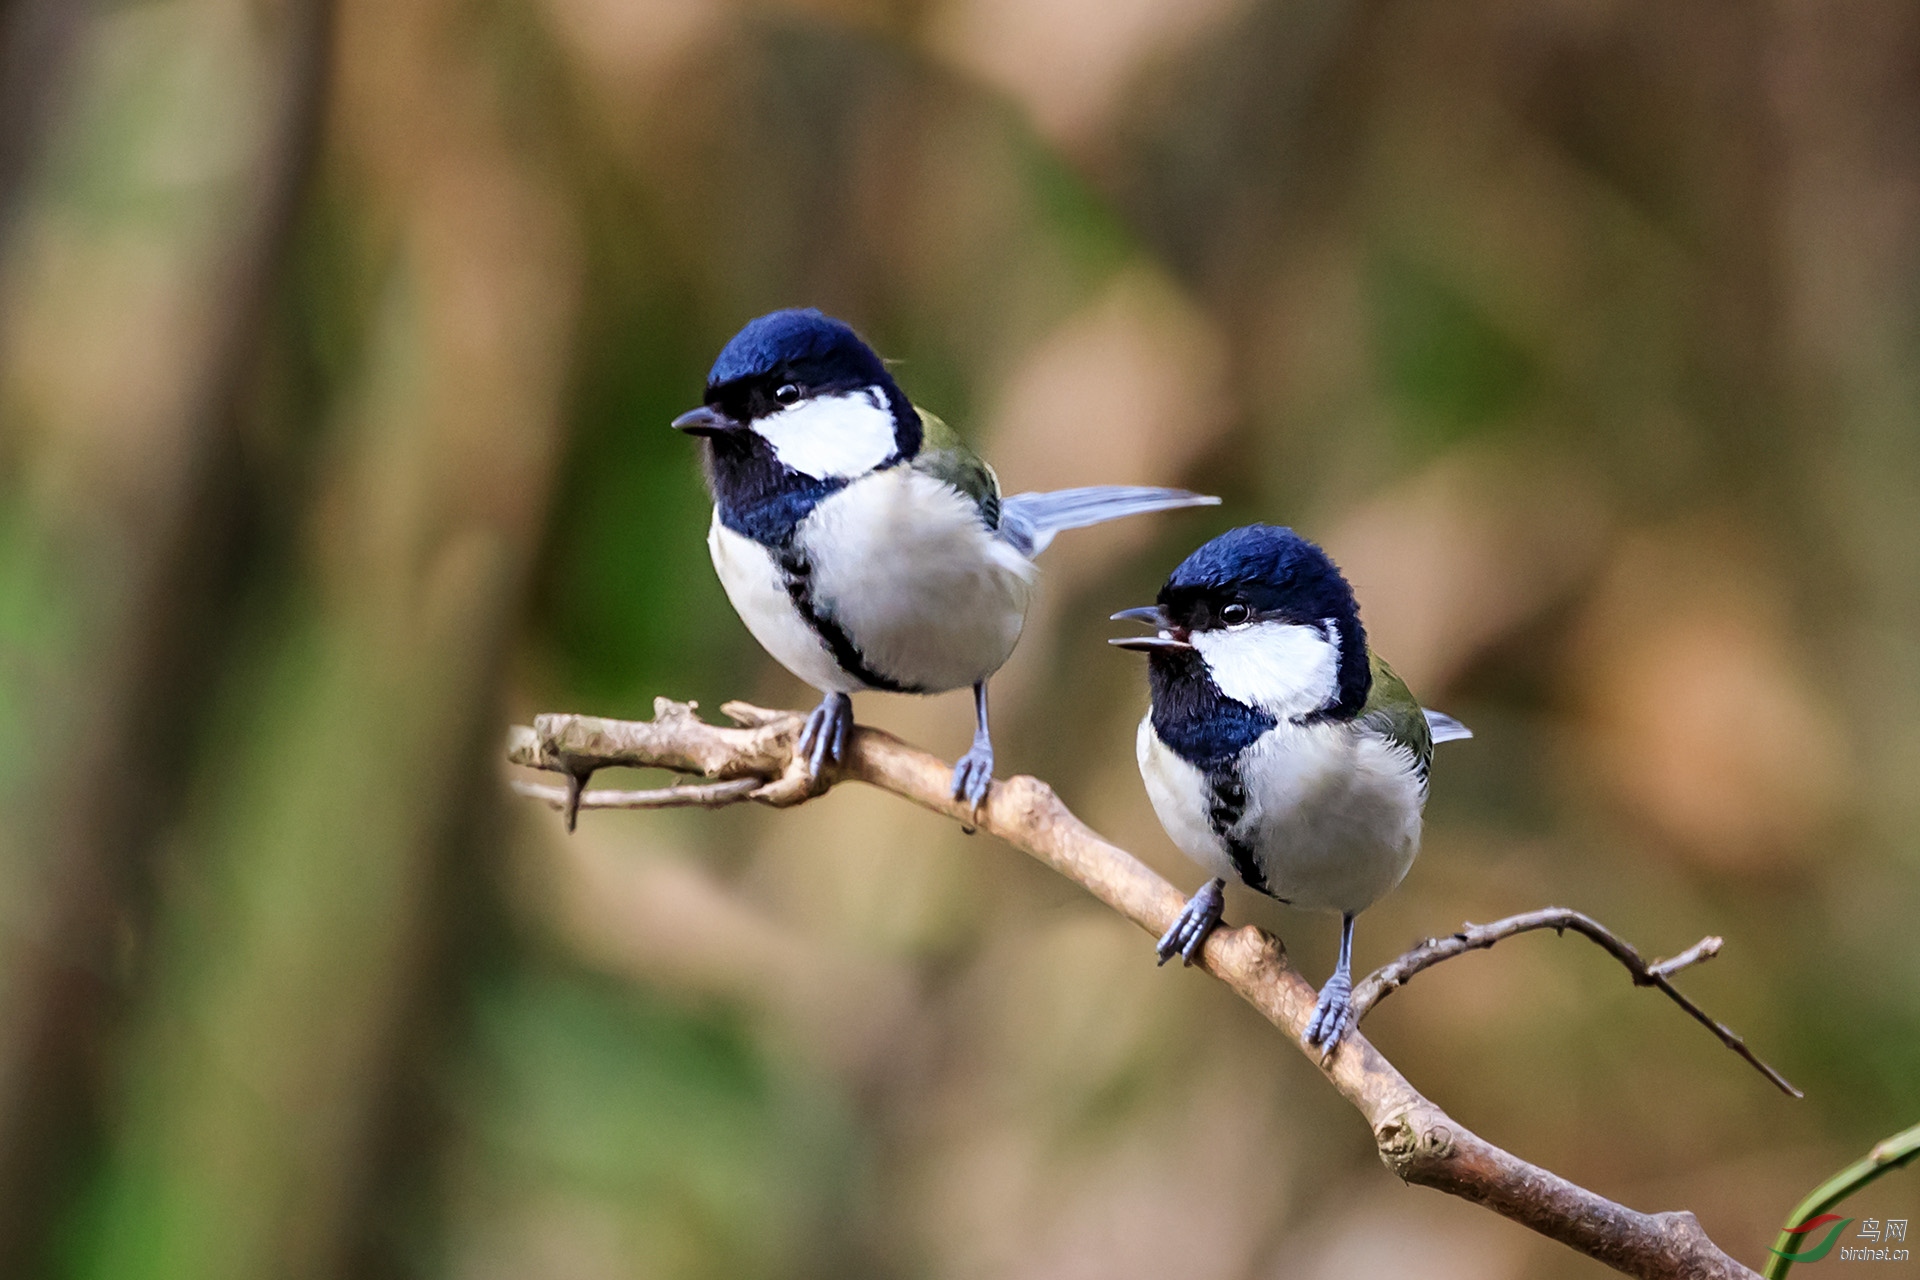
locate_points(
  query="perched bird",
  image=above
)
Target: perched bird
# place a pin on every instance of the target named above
(1278, 749)
(861, 542)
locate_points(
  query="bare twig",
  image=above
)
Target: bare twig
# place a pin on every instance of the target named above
(1416, 1139)
(1705, 949)
(1388, 978)
(704, 795)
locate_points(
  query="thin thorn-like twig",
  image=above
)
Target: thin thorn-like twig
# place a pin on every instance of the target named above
(1390, 977)
(570, 801)
(1705, 949)
(694, 795)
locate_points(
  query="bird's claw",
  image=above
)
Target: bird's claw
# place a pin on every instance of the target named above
(1195, 921)
(973, 774)
(1332, 1016)
(823, 738)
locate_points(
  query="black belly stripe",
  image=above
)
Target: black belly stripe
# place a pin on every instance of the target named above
(796, 574)
(1226, 805)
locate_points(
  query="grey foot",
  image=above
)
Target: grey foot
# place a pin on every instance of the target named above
(1332, 1016)
(973, 774)
(823, 739)
(1195, 922)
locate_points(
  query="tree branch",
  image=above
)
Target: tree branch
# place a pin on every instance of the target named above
(1416, 1139)
(704, 795)
(1387, 979)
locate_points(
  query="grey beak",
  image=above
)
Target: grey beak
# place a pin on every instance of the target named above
(1153, 616)
(705, 421)
(1151, 644)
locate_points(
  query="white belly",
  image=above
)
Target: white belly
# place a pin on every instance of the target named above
(1332, 814)
(759, 595)
(902, 564)
(1180, 800)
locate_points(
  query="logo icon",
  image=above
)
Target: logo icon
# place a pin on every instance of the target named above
(1825, 1246)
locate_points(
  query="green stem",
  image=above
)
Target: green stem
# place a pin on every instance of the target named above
(1887, 1155)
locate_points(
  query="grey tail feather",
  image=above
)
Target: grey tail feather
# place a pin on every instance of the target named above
(1029, 520)
(1444, 727)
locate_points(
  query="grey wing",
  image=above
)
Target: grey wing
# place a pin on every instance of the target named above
(1029, 520)
(1444, 727)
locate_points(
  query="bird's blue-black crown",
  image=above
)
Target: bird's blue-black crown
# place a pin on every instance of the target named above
(1269, 567)
(823, 352)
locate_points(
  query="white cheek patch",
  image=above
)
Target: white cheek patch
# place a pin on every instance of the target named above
(1284, 669)
(832, 437)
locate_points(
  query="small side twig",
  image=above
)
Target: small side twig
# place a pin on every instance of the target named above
(1388, 978)
(1705, 949)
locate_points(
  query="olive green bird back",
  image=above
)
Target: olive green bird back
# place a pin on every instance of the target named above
(1392, 710)
(944, 456)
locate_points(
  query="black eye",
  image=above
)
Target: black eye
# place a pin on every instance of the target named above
(1235, 614)
(787, 393)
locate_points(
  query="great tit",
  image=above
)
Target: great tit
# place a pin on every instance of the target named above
(1279, 749)
(861, 542)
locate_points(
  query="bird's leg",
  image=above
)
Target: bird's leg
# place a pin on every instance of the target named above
(1333, 1014)
(975, 769)
(1193, 924)
(823, 739)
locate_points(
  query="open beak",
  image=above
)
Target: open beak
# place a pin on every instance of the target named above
(1171, 639)
(705, 421)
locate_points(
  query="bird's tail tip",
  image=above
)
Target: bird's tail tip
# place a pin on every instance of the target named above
(1033, 518)
(1444, 728)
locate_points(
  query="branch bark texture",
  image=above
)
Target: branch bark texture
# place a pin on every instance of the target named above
(1416, 1139)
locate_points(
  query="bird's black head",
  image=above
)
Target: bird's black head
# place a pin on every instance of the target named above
(1261, 618)
(798, 351)
(1260, 571)
(796, 406)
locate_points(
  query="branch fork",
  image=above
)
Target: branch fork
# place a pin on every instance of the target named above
(755, 760)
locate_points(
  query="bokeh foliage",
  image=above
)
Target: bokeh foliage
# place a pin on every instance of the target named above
(332, 438)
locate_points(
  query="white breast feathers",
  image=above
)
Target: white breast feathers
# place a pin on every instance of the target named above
(904, 564)
(901, 566)
(1331, 812)
(758, 591)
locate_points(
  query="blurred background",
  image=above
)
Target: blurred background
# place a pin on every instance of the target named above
(337, 346)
